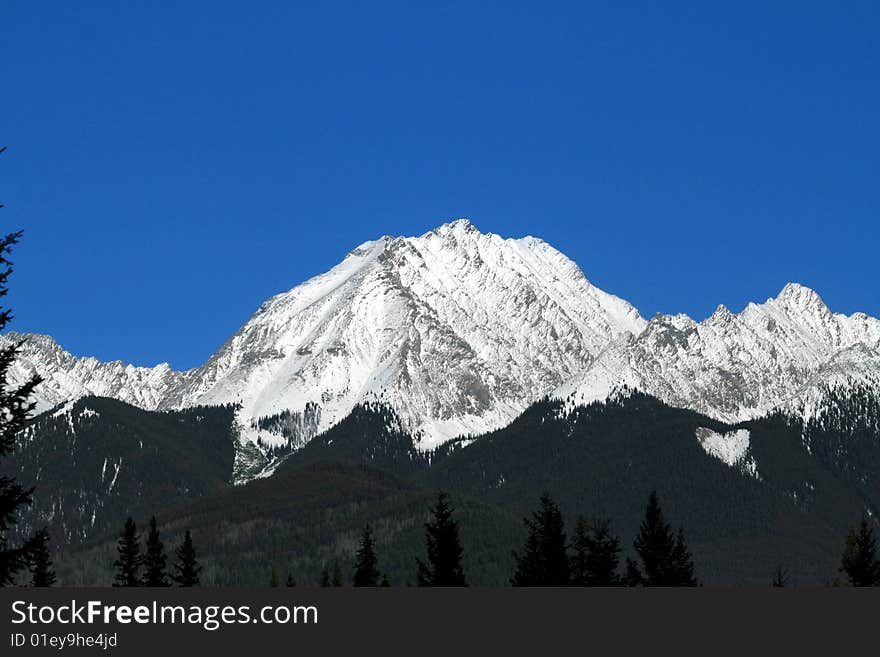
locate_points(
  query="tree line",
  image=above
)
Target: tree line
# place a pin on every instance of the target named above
(592, 557)
(548, 558)
(442, 566)
(134, 568)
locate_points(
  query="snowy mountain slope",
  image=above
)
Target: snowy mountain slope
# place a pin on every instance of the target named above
(457, 330)
(736, 367)
(856, 368)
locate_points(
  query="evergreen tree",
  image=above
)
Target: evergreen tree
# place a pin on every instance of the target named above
(290, 581)
(544, 561)
(128, 564)
(325, 577)
(41, 561)
(666, 560)
(154, 561)
(366, 569)
(386, 583)
(596, 554)
(273, 577)
(337, 573)
(682, 562)
(443, 547)
(859, 562)
(780, 577)
(14, 409)
(186, 568)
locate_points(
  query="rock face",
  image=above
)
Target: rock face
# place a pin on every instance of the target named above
(458, 331)
(785, 353)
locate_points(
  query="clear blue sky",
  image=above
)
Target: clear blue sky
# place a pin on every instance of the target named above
(176, 163)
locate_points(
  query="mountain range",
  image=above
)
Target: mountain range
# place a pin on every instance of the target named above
(485, 366)
(460, 331)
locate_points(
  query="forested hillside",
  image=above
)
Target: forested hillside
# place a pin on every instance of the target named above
(96, 460)
(752, 498)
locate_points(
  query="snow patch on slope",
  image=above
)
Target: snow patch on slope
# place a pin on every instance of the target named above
(731, 448)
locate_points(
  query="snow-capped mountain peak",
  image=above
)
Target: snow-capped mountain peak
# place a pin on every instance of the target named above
(456, 329)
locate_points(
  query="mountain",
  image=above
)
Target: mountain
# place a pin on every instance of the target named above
(785, 353)
(456, 330)
(484, 366)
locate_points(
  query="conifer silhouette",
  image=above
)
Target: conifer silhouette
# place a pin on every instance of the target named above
(859, 561)
(366, 569)
(544, 561)
(14, 410)
(154, 560)
(42, 574)
(443, 547)
(666, 560)
(186, 568)
(128, 564)
(596, 554)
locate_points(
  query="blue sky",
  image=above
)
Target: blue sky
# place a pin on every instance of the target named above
(174, 164)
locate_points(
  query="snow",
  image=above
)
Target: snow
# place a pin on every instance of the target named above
(728, 447)
(116, 468)
(731, 448)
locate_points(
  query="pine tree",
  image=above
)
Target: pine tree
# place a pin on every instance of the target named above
(366, 569)
(14, 410)
(337, 573)
(290, 581)
(544, 561)
(780, 577)
(273, 577)
(386, 583)
(154, 561)
(596, 554)
(186, 568)
(859, 561)
(682, 562)
(42, 574)
(666, 560)
(443, 547)
(325, 577)
(128, 564)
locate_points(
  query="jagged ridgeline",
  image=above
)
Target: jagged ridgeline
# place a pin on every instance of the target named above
(97, 460)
